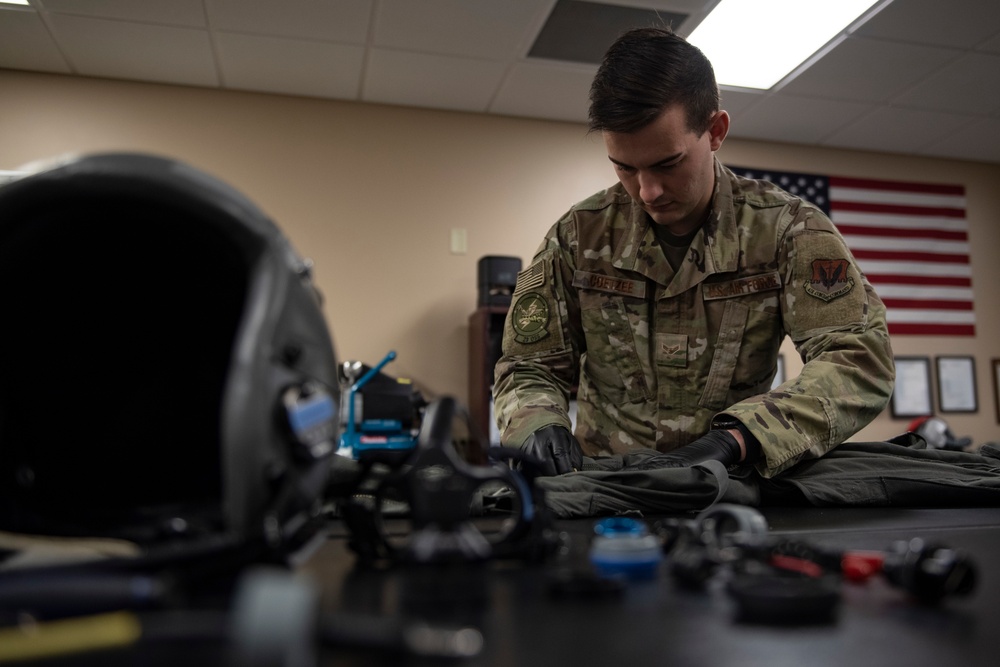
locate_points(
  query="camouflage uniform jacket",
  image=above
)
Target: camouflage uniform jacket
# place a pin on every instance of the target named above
(656, 355)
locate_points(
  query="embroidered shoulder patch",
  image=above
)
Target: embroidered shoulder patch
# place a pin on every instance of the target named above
(829, 279)
(530, 318)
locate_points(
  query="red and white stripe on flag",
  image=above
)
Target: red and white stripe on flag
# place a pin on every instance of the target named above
(911, 241)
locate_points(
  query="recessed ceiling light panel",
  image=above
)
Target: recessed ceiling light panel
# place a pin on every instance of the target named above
(758, 44)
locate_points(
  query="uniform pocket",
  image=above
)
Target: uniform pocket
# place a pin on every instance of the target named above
(613, 347)
(726, 355)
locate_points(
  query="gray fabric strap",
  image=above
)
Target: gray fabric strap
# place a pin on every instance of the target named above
(721, 477)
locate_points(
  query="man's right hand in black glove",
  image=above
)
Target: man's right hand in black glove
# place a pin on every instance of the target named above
(556, 447)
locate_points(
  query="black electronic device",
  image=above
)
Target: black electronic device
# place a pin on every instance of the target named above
(438, 492)
(166, 372)
(497, 278)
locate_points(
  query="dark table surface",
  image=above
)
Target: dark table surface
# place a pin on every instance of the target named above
(657, 621)
(509, 604)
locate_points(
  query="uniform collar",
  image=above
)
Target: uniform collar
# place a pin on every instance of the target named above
(714, 248)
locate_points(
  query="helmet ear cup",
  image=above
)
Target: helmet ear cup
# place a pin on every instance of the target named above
(935, 431)
(939, 435)
(141, 393)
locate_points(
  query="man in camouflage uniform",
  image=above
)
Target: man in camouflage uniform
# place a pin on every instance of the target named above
(664, 299)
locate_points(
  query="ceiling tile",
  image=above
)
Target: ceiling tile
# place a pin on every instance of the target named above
(969, 84)
(888, 68)
(796, 119)
(292, 67)
(473, 28)
(738, 100)
(893, 130)
(545, 91)
(683, 6)
(189, 13)
(991, 45)
(979, 140)
(341, 21)
(25, 43)
(955, 23)
(99, 47)
(437, 82)
(921, 61)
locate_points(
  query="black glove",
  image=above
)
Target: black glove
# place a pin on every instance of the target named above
(556, 447)
(714, 445)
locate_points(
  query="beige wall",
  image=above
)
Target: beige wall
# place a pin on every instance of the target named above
(371, 194)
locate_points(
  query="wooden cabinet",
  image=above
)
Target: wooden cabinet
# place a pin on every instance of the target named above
(485, 338)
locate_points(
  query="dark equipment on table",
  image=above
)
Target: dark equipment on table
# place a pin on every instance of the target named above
(796, 581)
(166, 372)
(274, 620)
(438, 493)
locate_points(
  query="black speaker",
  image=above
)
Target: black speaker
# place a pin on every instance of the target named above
(497, 277)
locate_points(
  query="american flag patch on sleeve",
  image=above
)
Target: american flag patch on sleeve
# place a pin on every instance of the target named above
(531, 277)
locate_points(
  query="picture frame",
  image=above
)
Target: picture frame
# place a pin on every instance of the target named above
(956, 381)
(912, 395)
(996, 386)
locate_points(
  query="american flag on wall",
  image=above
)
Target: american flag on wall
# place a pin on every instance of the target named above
(910, 239)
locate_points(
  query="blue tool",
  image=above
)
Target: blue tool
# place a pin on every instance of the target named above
(383, 436)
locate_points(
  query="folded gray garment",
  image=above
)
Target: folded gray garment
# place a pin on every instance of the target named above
(902, 472)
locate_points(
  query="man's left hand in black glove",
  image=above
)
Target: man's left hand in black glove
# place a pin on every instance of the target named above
(728, 446)
(556, 448)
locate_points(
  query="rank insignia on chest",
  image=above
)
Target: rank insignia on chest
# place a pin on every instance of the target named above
(829, 279)
(530, 318)
(671, 350)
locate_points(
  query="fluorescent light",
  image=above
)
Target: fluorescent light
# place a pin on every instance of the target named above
(756, 44)
(15, 2)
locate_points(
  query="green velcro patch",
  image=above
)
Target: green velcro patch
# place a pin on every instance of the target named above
(829, 279)
(530, 316)
(828, 290)
(532, 277)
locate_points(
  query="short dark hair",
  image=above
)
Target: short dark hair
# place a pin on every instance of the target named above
(645, 71)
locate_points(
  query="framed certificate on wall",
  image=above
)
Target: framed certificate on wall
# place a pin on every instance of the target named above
(956, 378)
(912, 395)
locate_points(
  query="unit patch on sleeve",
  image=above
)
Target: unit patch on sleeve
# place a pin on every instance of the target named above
(530, 318)
(829, 279)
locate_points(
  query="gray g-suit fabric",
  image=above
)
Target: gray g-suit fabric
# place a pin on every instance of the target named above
(901, 472)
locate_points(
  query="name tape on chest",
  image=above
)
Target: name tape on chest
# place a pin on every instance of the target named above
(612, 284)
(742, 286)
